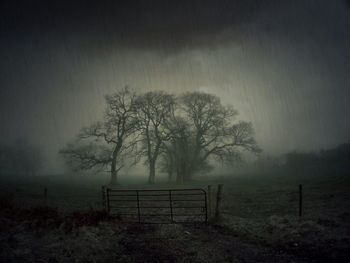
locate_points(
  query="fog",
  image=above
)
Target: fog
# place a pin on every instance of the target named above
(174, 131)
(282, 65)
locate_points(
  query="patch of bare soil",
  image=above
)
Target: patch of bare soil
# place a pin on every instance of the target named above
(43, 234)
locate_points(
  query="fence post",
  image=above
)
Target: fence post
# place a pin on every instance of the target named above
(218, 201)
(300, 200)
(209, 200)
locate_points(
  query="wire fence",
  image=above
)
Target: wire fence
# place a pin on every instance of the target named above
(69, 199)
(262, 204)
(293, 201)
(308, 202)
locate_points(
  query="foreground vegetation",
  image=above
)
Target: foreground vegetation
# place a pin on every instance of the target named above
(43, 235)
(259, 223)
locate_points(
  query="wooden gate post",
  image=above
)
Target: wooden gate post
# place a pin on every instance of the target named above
(218, 201)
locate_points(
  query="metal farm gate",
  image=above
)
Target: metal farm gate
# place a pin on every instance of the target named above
(157, 206)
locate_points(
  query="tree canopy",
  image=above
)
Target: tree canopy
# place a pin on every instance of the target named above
(182, 135)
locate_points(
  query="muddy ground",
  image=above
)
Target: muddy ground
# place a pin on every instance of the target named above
(259, 223)
(43, 234)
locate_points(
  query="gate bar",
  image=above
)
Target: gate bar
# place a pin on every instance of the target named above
(116, 196)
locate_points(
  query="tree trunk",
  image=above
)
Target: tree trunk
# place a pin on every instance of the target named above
(114, 172)
(170, 175)
(186, 178)
(187, 175)
(152, 172)
(179, 178)
(114, 178)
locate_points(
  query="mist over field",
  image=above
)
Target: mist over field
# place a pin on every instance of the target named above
(283, 66)
(241, 103)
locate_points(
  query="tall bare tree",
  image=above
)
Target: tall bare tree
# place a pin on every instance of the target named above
(187, 132)
(177, 153)
(108, 142)
(214, 131)
(153, 110)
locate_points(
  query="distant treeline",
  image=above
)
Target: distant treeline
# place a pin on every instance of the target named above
(20, 157)
(332, 161)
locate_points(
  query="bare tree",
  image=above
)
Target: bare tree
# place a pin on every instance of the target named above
(214, 131)
(108, 142)
(187, 133)
(178, 150)
(153, 109)
(167, 163)
(87, 155)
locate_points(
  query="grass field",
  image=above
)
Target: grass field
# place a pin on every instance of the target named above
(259, 221)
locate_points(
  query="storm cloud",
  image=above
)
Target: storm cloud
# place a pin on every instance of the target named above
(283, 64)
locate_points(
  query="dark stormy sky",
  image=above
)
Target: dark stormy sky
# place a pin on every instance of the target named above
(284, 65)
